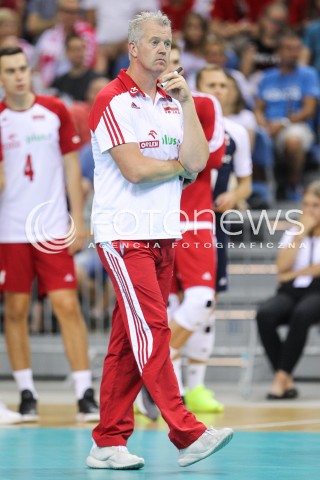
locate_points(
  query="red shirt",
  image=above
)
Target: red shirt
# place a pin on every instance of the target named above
(233, 10)
(176, 12)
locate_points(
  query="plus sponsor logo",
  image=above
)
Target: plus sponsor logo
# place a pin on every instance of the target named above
(166, 140)
(37, 138)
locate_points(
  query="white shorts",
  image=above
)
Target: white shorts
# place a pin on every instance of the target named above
(299, 130)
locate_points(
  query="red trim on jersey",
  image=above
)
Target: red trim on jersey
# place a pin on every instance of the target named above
(114, 124)
(68, 138)
(122, 84)
(207, 115)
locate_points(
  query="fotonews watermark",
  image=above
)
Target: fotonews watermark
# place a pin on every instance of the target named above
(126, 224)
(39, 232)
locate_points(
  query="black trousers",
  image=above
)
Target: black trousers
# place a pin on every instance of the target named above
(299, 309)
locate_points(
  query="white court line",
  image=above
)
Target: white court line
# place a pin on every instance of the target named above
(278, 424)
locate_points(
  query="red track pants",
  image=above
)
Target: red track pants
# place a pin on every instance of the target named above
(138, 352)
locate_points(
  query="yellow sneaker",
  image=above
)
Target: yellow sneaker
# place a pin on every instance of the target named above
(200, 400)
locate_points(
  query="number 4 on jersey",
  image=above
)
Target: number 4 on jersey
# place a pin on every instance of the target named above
(28, 171)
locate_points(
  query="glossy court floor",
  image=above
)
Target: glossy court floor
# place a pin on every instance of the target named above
(272, 441)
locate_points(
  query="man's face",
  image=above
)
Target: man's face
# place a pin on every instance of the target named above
(15, 75)
(68, 13)
(214, 54)
(153, 49)
(76, 51)
(290, 52)
(215, 83)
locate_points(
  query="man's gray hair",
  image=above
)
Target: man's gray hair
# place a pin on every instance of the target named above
(135, 30)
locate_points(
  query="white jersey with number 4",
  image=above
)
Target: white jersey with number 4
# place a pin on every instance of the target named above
(33, 204)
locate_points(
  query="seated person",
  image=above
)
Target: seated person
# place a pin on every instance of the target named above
(297, 300)
(286, 108)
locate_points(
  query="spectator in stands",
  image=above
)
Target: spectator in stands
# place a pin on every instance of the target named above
(80, 110)
(234, 107)
(311, 34)
(192, 43)
(73, 85)
(37, 133)
(40, 16)
(217, 53)
(261, 146)
(177, 10)
(50, 57)
(301, 12)
(260, 52)
(234, 20)
(297, 300)
(9, 32)
(286, 107)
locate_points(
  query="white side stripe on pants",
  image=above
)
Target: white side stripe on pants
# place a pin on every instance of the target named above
(140, 333)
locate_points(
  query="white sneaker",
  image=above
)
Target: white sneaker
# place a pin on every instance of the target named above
(8, 417)
(116, 458)
(208, 443)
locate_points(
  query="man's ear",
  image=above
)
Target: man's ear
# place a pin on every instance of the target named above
(132, 49)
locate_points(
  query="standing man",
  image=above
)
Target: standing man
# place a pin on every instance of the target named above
(236, 160)
(37, 160)
(195, 266)
(145, 143)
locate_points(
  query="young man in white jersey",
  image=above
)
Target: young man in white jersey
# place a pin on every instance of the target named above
(38, 160)
(237, 159)
(195, 267)
(145, 140)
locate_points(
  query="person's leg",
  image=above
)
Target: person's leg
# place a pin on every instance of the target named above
(141, 278)
(66, 307)
(121, 382)
(305, 313)
(57, 278)
(16, 309)
(198, 350)
(273, 312)
(18, 265)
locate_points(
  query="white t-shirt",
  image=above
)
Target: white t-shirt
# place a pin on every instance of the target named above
(242, 162)
(308, 254)
(246, 118)
(122, 113)
(33, 204)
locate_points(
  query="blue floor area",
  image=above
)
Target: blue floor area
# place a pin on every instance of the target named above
(59, 454)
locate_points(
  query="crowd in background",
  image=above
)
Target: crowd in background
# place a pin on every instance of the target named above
(271, 50)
